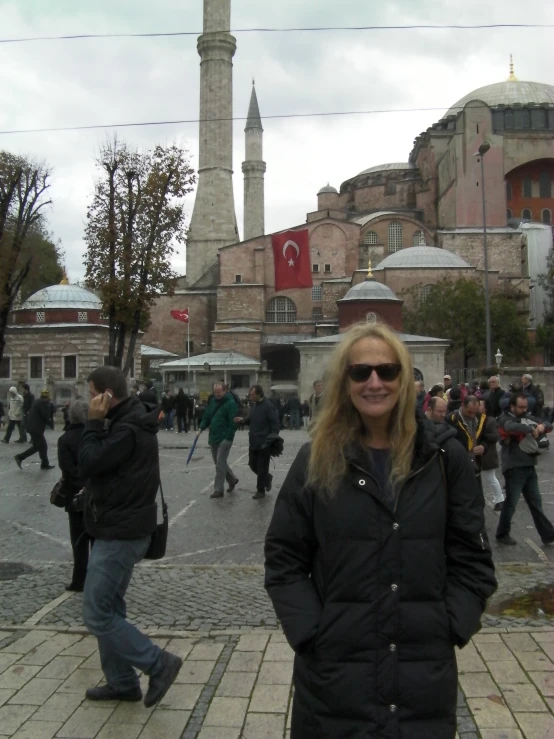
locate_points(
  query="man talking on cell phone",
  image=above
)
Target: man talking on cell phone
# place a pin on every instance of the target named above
(119, 460)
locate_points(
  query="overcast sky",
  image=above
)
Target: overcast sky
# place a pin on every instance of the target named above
(73, 83)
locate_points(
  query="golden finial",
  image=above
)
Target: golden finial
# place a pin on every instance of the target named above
(369, 272)
(512, 77)
(64, 281)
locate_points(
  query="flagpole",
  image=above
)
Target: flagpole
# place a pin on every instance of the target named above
(188, 354)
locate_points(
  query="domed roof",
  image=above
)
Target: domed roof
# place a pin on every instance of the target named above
(328, 188)
(63, 296)
(423, 257)
(386, 168)
(507, 93)
(370, 290)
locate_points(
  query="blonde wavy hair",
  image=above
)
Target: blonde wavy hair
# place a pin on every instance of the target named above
(339, 422)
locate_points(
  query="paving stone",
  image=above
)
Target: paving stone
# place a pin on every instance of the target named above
(270, 699)
(278, 638)
(507, 673)
(195, 672)
(535, 661)
(236, 685)
(61, 667)
(37, 730)
(215, 732)
(58, 707)
(244, 661)
(523, 698)
(7, 660)
(120, 731)
(480, 639)
(17, 675)
(490, 715)
(501, 734)
(165, 725)
(27, 642)
(263, 726)
(279, 653)
(5, 695)
(226, 712)
(468, 660)
(252, 643)
(80, 680)
(42, 654)
(183, 696)
(65, 640)
(180, 647)
(494, 651)
(83, 648)
(275, 673)
(209, 652)
(130, 713)
(11, 717)
(86, 722)
(36, 691)
(543, 637)
(92, 662)
(536, 725)
(520, 642)
(544, 682)
(478, 685)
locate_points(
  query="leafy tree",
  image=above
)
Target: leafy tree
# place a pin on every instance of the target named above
(133, 224)
(455, 310)
(46, 265)
(545, 331)
(23, 196)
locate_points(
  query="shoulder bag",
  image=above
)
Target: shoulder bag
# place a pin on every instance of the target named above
(158, 543)
(57, 496)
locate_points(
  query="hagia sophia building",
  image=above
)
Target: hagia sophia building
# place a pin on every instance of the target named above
(417, 221)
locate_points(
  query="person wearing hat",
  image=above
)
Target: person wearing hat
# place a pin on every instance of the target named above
(15, 415)
(37, 420)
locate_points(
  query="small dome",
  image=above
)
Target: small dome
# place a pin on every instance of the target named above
(371, 291)
(509, 92)
(423, 257)
(328, 188)
(386, 168)
(63, 296)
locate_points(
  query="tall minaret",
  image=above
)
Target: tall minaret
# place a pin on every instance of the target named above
(254, 169)
(214, 223)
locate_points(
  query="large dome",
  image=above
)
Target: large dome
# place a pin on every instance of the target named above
(507, 93)
(423, 257)
(391, 166)
(370, 290)
(63, 296)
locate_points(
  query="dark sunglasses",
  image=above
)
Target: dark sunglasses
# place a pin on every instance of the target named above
(362, 372)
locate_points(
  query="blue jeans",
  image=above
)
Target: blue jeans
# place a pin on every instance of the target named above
(524, 480)
(294, 421)
(121, 645)
(169, 421)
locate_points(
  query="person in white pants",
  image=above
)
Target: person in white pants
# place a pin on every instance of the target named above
(490, 461)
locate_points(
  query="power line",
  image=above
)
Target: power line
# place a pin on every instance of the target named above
(315, 29)
(324, 114)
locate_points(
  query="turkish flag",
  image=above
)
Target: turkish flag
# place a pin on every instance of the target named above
(291, 255)
(181, 315)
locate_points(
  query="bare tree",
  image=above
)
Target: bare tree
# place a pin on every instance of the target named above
(23, 196)
(134, 222)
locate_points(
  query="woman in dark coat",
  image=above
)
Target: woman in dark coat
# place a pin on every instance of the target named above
(377, 560)
(68, 461)
(182, 403)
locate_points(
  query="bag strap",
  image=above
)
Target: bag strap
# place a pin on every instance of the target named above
(443, 470)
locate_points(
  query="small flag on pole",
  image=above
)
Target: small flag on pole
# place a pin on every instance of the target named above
(181, 315)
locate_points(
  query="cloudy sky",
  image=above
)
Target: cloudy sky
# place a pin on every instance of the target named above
(104, 81)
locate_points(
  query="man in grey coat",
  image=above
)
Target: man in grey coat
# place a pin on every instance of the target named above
(15, 415)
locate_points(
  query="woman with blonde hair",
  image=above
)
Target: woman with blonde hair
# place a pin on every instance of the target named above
(377, 561)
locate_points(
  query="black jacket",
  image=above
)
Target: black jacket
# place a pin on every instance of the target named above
(28, 401)
(39, 416)
(491, 436)
(456, 420)
(68, 461)
(294, 404)
(182, 403)
(373, 596)
(492, 402)
(264, 424)
(149, 396)
(121, 468)
(168, 403)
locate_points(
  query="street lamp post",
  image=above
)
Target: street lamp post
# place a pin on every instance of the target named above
(498, 356)
(481, 153)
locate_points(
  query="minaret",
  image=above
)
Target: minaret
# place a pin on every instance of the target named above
(254, 169)
(213, 223)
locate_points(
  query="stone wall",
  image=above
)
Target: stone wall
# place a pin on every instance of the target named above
(164, 332)
(246, 342)
(504, 250)
(543, 376)
(333, 291)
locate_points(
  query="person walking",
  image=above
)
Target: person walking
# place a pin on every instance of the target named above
(493, 397)
(519, 432)
(182, 403)
(68, 462)
(1, 414)
(469, 425)
(148, 395)
(15, 416)
(489, 460)
(263, 423)
(37, 421)
(379, 497)
(28, 400)
(420, 394)
(219, 417)
(535, 391)
(167, 408)
(120, 464)
(315, 401)
(306, 413)
(295, 412)
(436, 412)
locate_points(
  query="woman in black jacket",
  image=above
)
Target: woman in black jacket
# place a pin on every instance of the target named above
(68, 461)
(377, 560)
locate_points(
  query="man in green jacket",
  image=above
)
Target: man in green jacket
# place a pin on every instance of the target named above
(219, 417)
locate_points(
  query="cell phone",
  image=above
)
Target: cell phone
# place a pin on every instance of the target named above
(110, 396)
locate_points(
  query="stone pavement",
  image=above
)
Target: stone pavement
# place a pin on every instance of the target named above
(238, 685)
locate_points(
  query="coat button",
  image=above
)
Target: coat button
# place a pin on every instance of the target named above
(392, 708)
(392, 647)
(394, 588)
(362, 482)
(396, 526)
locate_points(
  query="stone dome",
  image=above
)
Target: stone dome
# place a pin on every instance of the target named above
(386, 168)
(370, 291)
(63, 296)
(509, 92)
(328, 188)
(423, 257)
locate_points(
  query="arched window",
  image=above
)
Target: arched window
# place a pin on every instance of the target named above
(280, 310)
(419, 239)
(371, 318)
(370, 237)
(545, 186)
(425, 292)
(546, 217)
(526, 214)
(395, 237)
(509, 214)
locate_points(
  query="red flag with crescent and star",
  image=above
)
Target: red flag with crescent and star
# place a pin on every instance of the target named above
(181, 315)
(291, 255)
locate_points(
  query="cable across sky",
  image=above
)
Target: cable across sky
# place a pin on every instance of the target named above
(314, 29)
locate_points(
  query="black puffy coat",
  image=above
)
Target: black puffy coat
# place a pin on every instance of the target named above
(68, 461)
(373, 596)
(39, 416)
